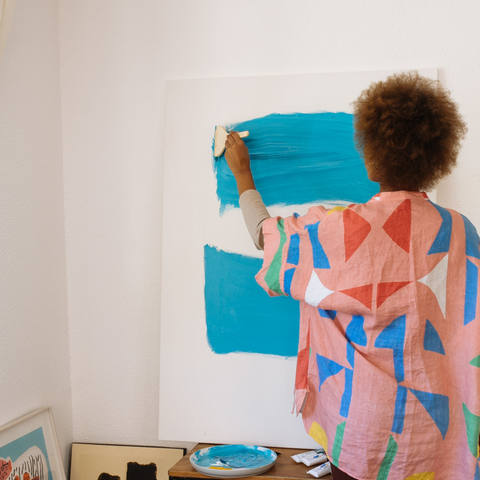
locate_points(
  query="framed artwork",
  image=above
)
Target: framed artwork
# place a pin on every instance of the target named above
(122, 462)
(29, 448)
(228, 351)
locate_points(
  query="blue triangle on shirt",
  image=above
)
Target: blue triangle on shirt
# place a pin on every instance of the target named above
(355, 332)
(441, 244)
(327, 368)
(431, 340)
(436, 406)
(472, 241)
(477, 472)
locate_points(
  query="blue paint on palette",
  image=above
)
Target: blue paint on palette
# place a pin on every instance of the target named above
(300, 158)
(234, 456)
(240, 317)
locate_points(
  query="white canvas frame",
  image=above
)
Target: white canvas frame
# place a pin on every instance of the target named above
(234, 398)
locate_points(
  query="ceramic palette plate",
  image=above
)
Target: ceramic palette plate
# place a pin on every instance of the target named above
(233, 460)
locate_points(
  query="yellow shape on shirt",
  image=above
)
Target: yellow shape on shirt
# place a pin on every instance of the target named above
(319, 435)
(422, 476)
(338, 208)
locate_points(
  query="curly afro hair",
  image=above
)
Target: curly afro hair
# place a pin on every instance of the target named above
(410, 129)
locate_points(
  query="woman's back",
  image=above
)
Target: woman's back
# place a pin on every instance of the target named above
(387, 375)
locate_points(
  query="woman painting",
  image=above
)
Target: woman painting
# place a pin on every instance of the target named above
(388, 367)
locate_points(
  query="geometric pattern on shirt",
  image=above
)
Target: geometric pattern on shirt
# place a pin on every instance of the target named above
(355, 231)
(431, 339)
(398, 225)
(475, 361)
(272, 277)
(472, 240)
(437, 406)
(320, 259)
(471, 292)
(422, 476)
(337, 443)
(436, 280)
(441, 244)
(355, 332)
(472, 423)
(328, 368)
(393, 337)
(388, 459)
(386, 289)
(316, 291)
(363, 294)
(331, 314)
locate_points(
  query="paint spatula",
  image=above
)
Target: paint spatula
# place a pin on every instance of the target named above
(221, 138)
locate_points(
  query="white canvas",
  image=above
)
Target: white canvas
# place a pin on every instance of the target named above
(233, 398)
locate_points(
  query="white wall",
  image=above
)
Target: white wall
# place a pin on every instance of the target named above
(115, 58)
(34, 339)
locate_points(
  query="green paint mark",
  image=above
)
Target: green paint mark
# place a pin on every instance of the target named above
(337, 444)
(472, 422)
(388, 459)
(272, 277)
(476, 361)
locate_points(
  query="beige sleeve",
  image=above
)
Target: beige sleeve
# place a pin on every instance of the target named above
(254, 213)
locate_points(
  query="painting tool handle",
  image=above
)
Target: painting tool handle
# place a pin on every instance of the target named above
(221, 137)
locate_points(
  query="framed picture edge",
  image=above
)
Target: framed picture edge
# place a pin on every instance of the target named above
(130, 446)
(29, 416)
(184, 449)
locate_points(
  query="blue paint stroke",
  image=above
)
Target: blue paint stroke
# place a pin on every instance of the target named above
(437, 406)
(399, 414)
(240, 317)
(431, 340)
(299, 158)
(441, 244)
(294, 249)
(472, 240)
(393, 336)
(320, 259)
(471, 290)
(347, 393)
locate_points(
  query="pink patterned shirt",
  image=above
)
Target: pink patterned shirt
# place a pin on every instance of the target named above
(388, 368)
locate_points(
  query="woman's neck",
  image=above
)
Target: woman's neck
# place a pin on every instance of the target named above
(388, 188)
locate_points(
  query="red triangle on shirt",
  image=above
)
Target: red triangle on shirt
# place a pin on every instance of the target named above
(363, 294)
(384, 290)
(301, 376)
(355, 230)
(398, 225)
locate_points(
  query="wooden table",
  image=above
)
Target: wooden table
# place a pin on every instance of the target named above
(284, 469)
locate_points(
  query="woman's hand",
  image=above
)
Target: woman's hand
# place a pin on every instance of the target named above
(238, 159)
(236, 154)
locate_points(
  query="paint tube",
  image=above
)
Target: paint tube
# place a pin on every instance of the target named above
(315, 460)
(321, 471)
(300, 456)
